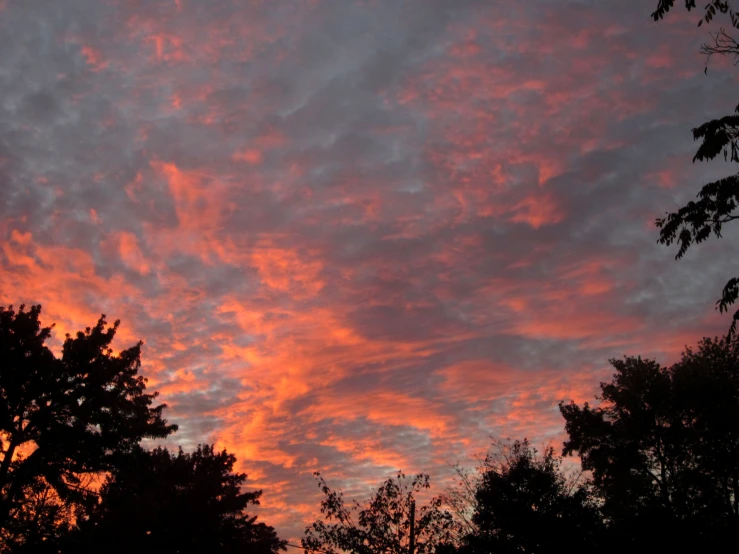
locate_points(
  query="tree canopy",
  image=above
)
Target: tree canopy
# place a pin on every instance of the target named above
(62, 419)
(663, 445)
(385, 524)
(160, 502)
(660, 467)
(525, 503)
(74, 476)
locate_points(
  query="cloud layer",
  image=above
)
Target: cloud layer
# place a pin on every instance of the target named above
(357, 236)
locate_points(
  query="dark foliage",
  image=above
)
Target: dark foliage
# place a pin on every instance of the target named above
(174, 503)
(717, 201)
(663, 448)
(711, 9)
(525, 504)
(383, 524)
(63, 419)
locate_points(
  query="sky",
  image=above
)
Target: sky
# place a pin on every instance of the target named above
(359, 236)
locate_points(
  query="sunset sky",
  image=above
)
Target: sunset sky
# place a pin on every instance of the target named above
(358, 236)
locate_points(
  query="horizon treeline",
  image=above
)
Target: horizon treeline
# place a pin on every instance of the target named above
(659, 455)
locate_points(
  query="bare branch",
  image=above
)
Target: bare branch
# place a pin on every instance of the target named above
(723, 45)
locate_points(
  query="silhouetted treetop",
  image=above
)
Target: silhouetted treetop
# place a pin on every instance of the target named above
(524, 502)
(383, 524)
(663, 445)
(185, 503)
(64, 418)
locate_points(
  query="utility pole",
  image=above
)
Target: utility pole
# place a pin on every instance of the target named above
(412, 545)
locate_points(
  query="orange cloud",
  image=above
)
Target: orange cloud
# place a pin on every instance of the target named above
(131, 254)
(537, 210)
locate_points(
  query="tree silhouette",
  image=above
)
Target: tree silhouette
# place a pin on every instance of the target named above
(711, 9)
(663, 447)
(717, 201)
(62, 419)
(388, 523)
(523, 502)
(174, 503)
(39, 522)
